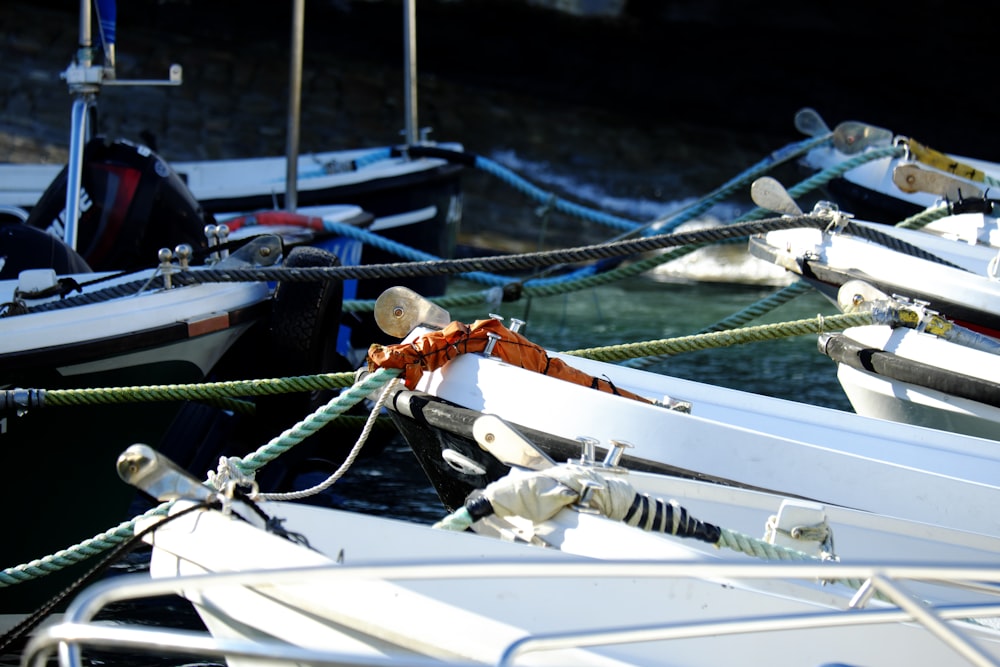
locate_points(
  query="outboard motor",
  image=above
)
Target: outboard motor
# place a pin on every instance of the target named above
(133, 203)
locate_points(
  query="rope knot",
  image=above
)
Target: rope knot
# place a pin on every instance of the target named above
(232, 473)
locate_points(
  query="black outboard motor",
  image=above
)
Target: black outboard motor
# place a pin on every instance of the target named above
(133, 204)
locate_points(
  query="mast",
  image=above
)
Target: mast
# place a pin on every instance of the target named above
(294, 106)
(410, 69)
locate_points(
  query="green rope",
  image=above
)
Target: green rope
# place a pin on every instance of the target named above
(926, 217)
(100, 543)
(76, 554)
(225, 391)
(753, 311)
(717, 339)
(764, 550)
(196, 391)
(632, 269)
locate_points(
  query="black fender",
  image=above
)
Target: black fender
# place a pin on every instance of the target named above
(301, 340)
(23, 247)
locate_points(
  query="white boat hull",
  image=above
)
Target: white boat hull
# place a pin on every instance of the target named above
(869, 191)
(738, 438)
(501, 594)
(965, 291)
(887, 397)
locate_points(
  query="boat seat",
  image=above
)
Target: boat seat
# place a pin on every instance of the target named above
(24, 247)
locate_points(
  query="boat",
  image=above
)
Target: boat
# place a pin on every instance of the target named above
(415, 201)
(325, 586)
(65, 327)
(934, 373)
(891, 177)
(898, 374)
(113, 183)
(952, 277)
(453, 372)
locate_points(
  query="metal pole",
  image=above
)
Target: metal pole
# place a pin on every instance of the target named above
(79, 130)
(294, 106)
(410, 68)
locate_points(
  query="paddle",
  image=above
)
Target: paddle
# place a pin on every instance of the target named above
(914, 178)
(769, 194)
(810, 123)
(852, 137)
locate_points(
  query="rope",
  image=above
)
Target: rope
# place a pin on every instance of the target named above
(666, 223)
(764, 550)
(348, 461)
(196, 391)
(246, 467)
(303, 429)
(926, 217)
(470, 269)
(898, 245)
(565, 284)
(755, 310)
(514, 262)
(717, 339)
(761, 307)
(67, 557)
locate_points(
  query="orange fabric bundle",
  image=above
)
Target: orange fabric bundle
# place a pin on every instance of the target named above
(433, 350)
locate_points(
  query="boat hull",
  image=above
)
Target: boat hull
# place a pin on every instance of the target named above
(64, 490)
(957, 284)
(416, 201)
(897, 374)
(869, 192)
(314, 598)
(736, 438)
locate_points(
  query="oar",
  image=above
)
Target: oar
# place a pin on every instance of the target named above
(948, 164)
(913, 178)
(769, 194)
(852, 137)
(810, 123)
(399, 310)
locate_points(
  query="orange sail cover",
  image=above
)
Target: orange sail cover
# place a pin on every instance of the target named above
(433, 350)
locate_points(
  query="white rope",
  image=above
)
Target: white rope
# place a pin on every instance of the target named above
(228, 473)
(348, 462)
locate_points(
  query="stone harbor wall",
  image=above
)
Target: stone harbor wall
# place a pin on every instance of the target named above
(489, 67)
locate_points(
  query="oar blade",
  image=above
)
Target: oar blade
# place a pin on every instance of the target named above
(768, 193)
(810, 123)
(399, 310)
(852, 137)
(912, 178)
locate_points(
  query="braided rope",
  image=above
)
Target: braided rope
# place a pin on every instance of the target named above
(310, 424)
(348, 460)
(717, 339)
